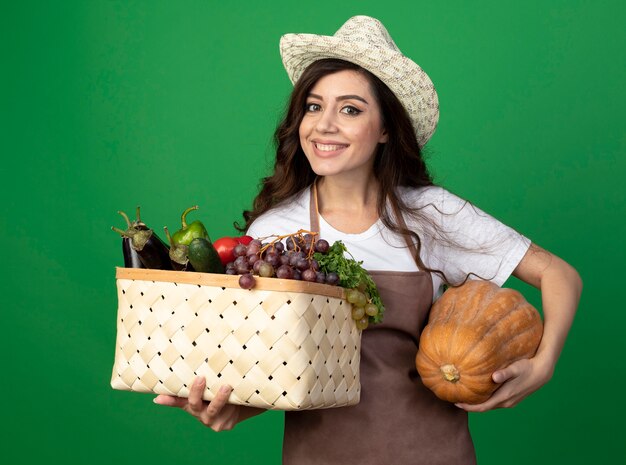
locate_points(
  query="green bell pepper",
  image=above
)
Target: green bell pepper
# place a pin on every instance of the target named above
(188, 232)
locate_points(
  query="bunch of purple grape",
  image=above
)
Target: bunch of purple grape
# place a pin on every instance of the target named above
(292, 259)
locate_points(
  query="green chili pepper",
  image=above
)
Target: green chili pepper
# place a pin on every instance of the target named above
(188, 232)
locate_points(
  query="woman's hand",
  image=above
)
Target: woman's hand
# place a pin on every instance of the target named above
(218, 414)
(519, 380)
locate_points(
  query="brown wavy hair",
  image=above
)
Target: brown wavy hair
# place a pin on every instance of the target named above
(397, 163)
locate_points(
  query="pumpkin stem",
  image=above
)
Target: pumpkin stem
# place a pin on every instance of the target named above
(450, 373)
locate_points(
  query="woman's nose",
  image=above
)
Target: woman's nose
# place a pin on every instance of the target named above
(326, 122)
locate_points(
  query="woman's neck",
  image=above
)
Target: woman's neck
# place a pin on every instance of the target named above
(348, 205)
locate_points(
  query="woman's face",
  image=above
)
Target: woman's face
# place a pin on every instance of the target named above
(342, 125)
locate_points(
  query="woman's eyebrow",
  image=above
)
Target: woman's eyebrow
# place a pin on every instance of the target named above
(342, 97)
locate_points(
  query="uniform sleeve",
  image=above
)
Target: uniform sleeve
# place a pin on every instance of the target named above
(285, 218)
(467, 241)
(255, 230)
(268, 224)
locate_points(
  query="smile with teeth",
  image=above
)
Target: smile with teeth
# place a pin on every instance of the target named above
(328, 147)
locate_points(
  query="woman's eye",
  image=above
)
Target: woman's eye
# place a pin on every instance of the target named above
(350, 110)
(312, 107)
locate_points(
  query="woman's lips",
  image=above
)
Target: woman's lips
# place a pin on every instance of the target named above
(328, 148)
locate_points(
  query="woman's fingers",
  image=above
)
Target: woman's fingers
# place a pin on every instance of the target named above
(498, 399)
(196, 404)
(212, 413)
(215, 414)
(170, 401)
(511, 371)
(218, 403)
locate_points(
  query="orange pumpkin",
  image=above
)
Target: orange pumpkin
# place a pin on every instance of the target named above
(472, 331)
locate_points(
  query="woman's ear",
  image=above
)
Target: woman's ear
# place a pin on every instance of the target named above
(384, 137)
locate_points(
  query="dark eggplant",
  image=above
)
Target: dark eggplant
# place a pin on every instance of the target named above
(152, 251)
(131, 257)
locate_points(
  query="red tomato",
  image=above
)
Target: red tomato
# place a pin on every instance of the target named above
(224, 247)
(245, 240)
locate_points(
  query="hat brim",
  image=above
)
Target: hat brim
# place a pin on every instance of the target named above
(405, 78)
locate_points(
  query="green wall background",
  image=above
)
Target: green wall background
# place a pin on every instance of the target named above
(111, 104)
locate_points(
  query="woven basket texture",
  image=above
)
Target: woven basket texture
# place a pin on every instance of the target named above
(278, 349)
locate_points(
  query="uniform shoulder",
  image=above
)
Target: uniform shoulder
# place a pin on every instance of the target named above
(284, 217)
(429, 196)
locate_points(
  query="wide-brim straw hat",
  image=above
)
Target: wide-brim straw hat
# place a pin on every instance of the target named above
(365, 41)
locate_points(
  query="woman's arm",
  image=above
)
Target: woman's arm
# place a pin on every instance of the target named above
(217, 414)
(560, 287)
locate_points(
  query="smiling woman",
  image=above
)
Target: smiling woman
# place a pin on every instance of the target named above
(349, 165)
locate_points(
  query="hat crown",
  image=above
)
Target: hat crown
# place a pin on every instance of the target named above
(366, 30)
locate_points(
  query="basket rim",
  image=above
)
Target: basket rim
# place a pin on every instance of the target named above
(230, 281)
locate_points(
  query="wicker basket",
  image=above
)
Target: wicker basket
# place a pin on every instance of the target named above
(285, 345)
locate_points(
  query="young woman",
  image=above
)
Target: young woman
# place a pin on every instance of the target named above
(349, 165)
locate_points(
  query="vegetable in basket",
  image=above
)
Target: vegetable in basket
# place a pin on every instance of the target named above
(178, 254)
(188, 232)
(191, 248)
(225, 247)
(203, 256)
(131, 257)
(152, 251)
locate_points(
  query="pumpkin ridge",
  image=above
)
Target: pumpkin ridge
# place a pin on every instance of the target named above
(444, 316)
(482, 294)
(486, 300)
(452, 315)
(439, 320)
(476, 391)
(487, 359)
(428, 377)
(425, 360)
(478, 376)
(429, 351)
(494, 325)
(451, 340)
(474, 397)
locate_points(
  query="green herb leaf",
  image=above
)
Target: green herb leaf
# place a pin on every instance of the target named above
(351, 274)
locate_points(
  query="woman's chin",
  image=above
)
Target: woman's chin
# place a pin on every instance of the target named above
(326, 170)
